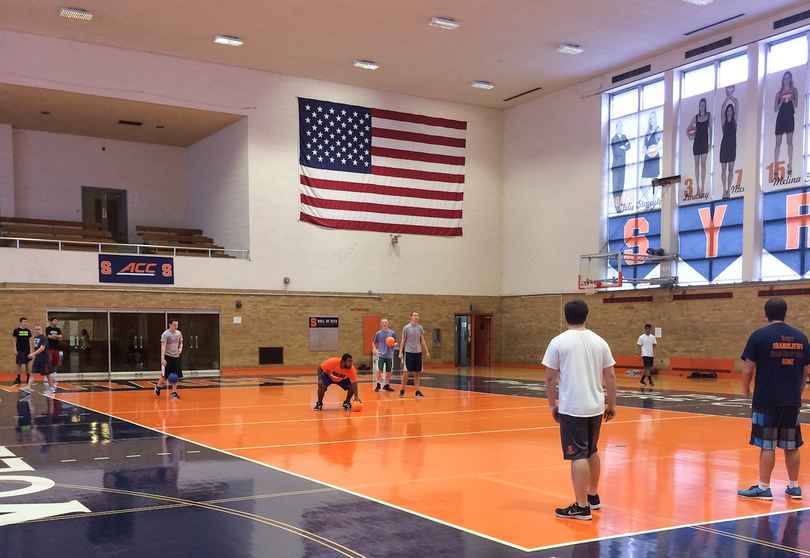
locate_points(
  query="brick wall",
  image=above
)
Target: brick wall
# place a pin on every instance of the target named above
(522, 326)
(268, 319)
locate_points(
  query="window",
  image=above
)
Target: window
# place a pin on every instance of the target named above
(636, 139)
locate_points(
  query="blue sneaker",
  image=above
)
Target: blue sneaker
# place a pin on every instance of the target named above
(756, 493)
(795, 493)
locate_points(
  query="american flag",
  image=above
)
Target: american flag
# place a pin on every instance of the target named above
(380, 170)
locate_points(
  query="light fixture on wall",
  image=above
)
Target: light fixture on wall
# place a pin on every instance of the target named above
(227, 40)
(365, 64)
(569, 49)
(75, 13)
(443, 23)
(394, 239)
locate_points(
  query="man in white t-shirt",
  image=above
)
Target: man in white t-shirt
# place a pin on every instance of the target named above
(646, 352)
(580, 359)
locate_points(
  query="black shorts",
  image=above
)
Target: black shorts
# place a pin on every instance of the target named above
(327, 380)
(40, 367)
(172, 367)
(413, 362)
(648, 361)
(22, 357)
(579, 436)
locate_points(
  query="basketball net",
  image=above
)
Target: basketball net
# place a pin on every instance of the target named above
(590, 290)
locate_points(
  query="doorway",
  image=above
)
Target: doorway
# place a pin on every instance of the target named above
(107, 207)
(473, 339)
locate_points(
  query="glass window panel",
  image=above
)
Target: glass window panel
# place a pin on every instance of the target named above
(623, 104)
(652, 95)
(733, 70)
(698, 81)
(787, 54)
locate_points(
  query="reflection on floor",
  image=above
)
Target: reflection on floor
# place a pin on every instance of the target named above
(246, 468)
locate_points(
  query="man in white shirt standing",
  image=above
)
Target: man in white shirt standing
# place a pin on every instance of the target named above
(580, 359)
(646, 347)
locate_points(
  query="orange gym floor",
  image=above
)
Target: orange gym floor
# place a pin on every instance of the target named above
(481, 453)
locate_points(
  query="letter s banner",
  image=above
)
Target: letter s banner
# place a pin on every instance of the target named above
(135, 269)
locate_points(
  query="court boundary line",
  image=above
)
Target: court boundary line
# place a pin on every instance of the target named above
(452, 525)
(322, 483)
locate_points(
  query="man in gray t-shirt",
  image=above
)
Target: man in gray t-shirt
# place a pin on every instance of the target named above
(171, 346)
(413, 340)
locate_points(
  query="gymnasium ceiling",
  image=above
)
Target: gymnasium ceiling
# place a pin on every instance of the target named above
(511, 43)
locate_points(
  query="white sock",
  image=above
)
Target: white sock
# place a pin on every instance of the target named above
(793, 484)
(763, 486)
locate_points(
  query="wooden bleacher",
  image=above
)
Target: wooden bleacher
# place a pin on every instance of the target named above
(74, 235)
(188, 242)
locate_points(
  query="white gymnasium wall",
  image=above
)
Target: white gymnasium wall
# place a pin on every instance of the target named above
(552, 191)
(315, 259)
(6, 171)
(218, 190)
(555, 167)
(50, 170)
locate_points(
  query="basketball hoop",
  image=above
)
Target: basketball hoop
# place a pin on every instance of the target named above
(590, 290)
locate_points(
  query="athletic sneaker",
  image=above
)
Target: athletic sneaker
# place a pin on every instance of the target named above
(402, 393)
(574, 512)
(318, 406)
(347, 406)
(174, 395)
(593, 502)
(756, 493)
(26, 389)
(419, 395)
(641, 382)
(16, 381)
(50, 390)
(386, 387)
(651, 383)
(795, 493)
(377, 388)
(157, 391)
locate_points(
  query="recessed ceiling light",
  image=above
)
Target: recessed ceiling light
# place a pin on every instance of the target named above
(699, 2)
(569, 49)
(481, 85)
(365, 64)
(230, 41)
(443, 23)
(75, 13)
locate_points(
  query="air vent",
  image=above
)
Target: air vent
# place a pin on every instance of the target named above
(791, 20)
(271, 355)
(632, 73)
(715, 24)
(130, 123)
(626, 299)
(521, 94)
(769, 293)
(707, 48)
(703, 296)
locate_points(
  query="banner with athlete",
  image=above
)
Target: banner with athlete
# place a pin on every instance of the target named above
(696, 136)
(729, 143)
(783, 129)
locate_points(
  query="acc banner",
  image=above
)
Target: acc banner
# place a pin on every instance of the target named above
(633, 234)
(785, 246)
(135, 269)
(710, 238)
(783, 129)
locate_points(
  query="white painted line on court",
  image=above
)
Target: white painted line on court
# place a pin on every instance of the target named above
(136, 455)
(322, 483)
(100, 458)
(68, 460)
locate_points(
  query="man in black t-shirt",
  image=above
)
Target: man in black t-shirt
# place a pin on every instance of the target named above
(22, 348)
(54, 336)
(41, 365)
(780, 357)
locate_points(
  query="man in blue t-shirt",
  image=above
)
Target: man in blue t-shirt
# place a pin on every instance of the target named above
(384, 355)
(780, 356)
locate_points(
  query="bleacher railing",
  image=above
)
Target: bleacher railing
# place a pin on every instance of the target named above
(144, 249)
